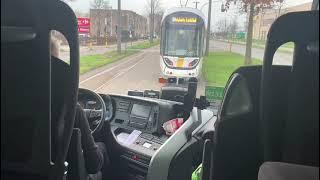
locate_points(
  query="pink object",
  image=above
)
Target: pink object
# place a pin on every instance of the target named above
(84, 25)
(172, 125)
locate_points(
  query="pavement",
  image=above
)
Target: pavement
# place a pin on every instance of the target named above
(142, 70)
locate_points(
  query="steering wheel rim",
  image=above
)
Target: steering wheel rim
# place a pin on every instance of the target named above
(90, 111)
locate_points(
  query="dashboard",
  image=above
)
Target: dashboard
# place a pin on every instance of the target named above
(144, 114)
(136, 128)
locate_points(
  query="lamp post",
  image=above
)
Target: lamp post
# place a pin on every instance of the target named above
(209, 24)
(119, 28)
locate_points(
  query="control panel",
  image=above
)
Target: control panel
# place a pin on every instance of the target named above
(134, 114)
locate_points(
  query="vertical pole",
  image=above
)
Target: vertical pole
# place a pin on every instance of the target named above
(152, 21)
(208, 29)
(119, 28)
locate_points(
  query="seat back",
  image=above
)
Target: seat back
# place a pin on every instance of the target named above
(76, 170)
(25, 92)
(290, 130)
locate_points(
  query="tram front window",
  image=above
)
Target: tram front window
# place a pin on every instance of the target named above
(182, 42)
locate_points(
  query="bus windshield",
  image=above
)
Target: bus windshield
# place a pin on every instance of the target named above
(182, 41)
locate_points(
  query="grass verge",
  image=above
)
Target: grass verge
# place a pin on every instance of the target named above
(285, 48)
(144, 45)
(90, 62)
(218, 66)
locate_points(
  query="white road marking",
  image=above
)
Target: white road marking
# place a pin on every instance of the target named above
(117, 75)
(109, 69)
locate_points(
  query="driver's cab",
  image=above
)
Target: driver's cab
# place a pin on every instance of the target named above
(149, 135)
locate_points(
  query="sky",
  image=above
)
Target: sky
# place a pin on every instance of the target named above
(139, 6)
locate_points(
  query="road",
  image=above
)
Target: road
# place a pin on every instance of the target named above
(141, 71)
(138, 72)
(280, 58)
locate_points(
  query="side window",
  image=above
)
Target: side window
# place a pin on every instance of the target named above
(59, 46)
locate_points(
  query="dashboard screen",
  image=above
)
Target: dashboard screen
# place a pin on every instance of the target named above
(140, 110)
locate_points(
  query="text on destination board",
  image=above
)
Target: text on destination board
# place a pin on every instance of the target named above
(184, 20)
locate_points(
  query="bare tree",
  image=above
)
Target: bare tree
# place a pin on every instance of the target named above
(157, 22)
(278, 7)
(233, 26)
(222, 27)
(100, 5)
(81, 14)
(153, 8)
(252, 7)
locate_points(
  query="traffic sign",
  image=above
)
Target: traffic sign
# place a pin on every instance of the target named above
(84, 25)
(214, 93)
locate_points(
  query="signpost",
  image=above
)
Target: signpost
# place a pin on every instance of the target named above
(214, 95)
(84, 25)
(84, 28)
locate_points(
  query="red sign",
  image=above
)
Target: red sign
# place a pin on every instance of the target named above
(84, 25)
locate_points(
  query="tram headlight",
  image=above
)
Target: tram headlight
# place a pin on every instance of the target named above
(193, 63)
(168, 62)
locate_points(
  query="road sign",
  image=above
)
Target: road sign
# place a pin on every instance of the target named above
(84, 25)
(214, 93)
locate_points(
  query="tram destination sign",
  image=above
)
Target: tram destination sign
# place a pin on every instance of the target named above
(188, 20)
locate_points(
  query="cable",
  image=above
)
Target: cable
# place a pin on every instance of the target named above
(186, 3)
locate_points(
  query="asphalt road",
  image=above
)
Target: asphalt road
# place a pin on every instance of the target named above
(138, 72)
(141, 71)
(280, 58)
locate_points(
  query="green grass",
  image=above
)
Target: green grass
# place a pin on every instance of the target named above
(144, 45)
(218, 67)
(90, 62)
(285, 48)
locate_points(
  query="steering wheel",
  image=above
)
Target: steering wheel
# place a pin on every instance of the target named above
(96, 117)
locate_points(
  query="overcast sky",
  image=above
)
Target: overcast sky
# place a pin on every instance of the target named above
(139, 6)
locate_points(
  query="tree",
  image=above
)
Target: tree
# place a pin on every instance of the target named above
(278, 7)
(233, 27)
(222, 27)
(251, 7)
(81, 14)
(157, 22)
(153, 8)
(100, 5)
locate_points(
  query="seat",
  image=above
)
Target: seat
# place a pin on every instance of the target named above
(60, 79)
(26, 148)
(275, 116)
(292, 134)
(287, 171)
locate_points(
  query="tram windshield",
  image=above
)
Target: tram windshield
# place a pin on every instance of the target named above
(183, 40)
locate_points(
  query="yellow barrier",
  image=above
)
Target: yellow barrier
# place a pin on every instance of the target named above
(90, 45)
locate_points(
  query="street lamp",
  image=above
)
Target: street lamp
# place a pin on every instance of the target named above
(209, 24)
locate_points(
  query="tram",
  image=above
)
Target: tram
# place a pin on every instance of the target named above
(182, 44)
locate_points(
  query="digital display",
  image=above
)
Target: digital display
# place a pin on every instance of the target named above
(140, 111)
(184, 20)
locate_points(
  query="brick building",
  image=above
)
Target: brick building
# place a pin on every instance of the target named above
(263, 21)
(105, 21)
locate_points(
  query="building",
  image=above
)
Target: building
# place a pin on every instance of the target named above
(105, 22)
(263, 21)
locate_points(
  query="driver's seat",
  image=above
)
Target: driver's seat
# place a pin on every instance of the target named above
(59, 80)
